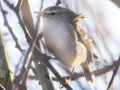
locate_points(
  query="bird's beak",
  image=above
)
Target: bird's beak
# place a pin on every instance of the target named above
(41, 13)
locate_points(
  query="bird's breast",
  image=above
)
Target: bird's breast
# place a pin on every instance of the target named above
(63, 43)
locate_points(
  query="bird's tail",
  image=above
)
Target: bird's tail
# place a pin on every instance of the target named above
(88, 73)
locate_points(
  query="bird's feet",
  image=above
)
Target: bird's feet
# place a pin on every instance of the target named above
(63, 82)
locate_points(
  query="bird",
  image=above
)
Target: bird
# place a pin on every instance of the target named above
(66, 39)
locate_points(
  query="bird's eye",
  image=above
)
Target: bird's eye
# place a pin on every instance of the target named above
(52, 13)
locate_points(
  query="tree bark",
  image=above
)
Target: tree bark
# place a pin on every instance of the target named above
(6, 75)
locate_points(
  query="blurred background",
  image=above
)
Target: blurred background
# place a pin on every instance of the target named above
(102, 25)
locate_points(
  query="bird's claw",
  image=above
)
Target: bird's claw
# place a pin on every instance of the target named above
(63, 82)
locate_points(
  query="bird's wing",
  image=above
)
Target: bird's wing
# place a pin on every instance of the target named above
(82, 37)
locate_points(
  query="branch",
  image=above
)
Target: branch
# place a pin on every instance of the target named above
(117, 2)
(98, 72)
(23, 26)
(10, 30)
(29, 40)
(46, 63)
(40, 35)
(41, 70)
(114, 74)
(58, 2)
(34, 70)
(18, 7)
(1, 87)
(6, 75)
(24, 79)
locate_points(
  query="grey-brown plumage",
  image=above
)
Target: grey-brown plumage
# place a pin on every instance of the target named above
(66, 40)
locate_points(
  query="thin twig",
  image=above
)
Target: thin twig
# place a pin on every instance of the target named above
(1, 87)
(32, 44)
(34, 70)
(37, 27)
(10, 29)
(26, 32)
(114, 74)
(40, 35)
(29, 40)
(38, 17)
(18, 7)
(45, 62)
(24, 79)
(23, 26)
(98, 72)
(58, 2)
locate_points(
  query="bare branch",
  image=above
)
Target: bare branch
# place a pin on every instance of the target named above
(34, 70)
(38, 17)
(98, 72)
(40, 35)
(10, 30)
(56, 74)
(23, 26)
(41, 70)
(18, 7)
(1, 87)
(24, 79)
(31, 77)
(29, 40)
(6, 75)
(114, 74)
(37, 27)
(117, 2)
(58, 2)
